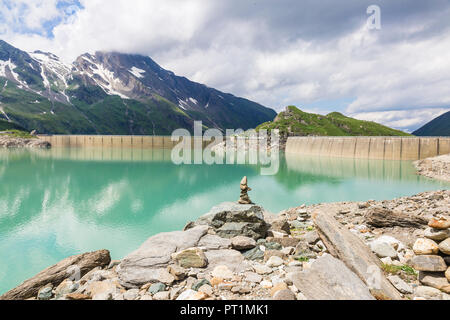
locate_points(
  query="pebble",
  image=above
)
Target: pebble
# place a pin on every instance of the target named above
(285, 294)
(400, 285)
(262, 269)
(266, 284)
(131, 294)
(157, 287)
(222, 272)
(163, 295)
(274, 261)
(424, 246)
(243, 243)
(437, 234)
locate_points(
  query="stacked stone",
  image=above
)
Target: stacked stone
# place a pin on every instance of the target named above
(244, 198)
(432, 258)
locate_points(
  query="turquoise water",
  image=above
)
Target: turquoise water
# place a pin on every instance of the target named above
(60, 202)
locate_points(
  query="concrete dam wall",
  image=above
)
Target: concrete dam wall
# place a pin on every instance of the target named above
(383, 148)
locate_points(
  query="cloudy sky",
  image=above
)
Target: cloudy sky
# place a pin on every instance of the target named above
(318, 55)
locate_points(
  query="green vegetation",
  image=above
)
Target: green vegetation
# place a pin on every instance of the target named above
(17, 134)
(389, 268)
(5, 125)
(296, 122)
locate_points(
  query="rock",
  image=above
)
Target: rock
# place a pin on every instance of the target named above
(242, 243)
(254, 254)
(146, 297)
(287, 251)
(213, 242)
(77, 296)
(179, 273)
(444, 246)
(165, 276)
(222, 272)
(329, 279)
(145, 264)
(285, 294)
(437, 234)
(200, 283)
(216, 281)
(131, 294)
(230, 219)
(447, 274)
(266, 284)
(425, 246)
(302, 250)
(163, 295)
(383, 249)
(274, 261)
(435, 280)
(45, 293)
(428, 263)
(441, 223)
(157, 287)
(279, 286)
(428, 293)
(102, 290)
(280, 224)
(206, 289)
(252, 277)
(65, 287)
(233, 259)
(312, 237)
(285, 242)
(401, 285)
(191, 258)
(262, 269)
(382, 218)
(58, 273)
(192, 295)
(350, 249)
(272, 245)
(271, 253)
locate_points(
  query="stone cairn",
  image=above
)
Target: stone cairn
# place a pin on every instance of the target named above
(244, 198)
(433, 255)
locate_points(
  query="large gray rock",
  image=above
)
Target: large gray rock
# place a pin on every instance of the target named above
(428, 263)
(145, 264)
(329, 279)
(57, 273)
(233, 259)
(358, 257)
(230, 219)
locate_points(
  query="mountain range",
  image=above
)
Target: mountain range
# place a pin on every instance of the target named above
(112, 93)
(295, 122)
(439, 126)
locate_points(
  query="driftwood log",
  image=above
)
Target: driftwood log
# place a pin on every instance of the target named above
(58, 273)
(381, 218)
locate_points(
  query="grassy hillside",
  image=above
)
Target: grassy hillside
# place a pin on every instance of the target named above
(298, 123)
(8, 126)
(436, 127)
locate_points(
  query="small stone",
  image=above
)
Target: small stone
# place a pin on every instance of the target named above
(146, 297)
(441, 223)
(222, 272)
(262, 269)
(157, 287)
(428, 263)
(400, 285)
(435, 280)
(131, 294)
(285, 294)
(45, 293)
(77, 296)
(288, 250)
(163, 295)
(178, 272)
(216, 281)
(425, 246)
(312, 237)
(277, 287)
(273, 245)
(428, 293)
(200, 283)
(65, 287)
(383, 249)
(266, 284)
(437, 234)
(270, 253)
(254, 254)
(447, 274)
(165, 277)
(274, 261)
(206, 289)
(191, 258)
(242, 243)
(252, 277)
(444, 246)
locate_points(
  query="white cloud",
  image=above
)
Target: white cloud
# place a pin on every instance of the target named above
(271, 53)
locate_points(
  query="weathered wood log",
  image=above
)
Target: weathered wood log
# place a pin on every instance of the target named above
(58, 273)
(358, 257)
(380, 218)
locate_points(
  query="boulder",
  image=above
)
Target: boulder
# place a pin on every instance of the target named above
(381, 218)
(400, 285)
(230, 219)
(329, 279)
(383, 249)
(425, 246)
(441, 223)
(145, 264)
(58, 273)
(190, 258)
(428, 263)
(243, 243)
(349, 248)
(444, 246)
(436, 234)
(434, 279)
(428, 293)
(447, 274)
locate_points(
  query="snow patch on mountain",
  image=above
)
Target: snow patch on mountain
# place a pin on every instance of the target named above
(138, 73)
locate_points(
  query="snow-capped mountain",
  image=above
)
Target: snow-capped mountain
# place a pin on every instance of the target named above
(112, 93)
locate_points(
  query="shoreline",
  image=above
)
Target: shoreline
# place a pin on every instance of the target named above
(16, 142)
(435, 167)
(267, 268)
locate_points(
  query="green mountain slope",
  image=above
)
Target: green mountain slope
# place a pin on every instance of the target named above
(5, 126)
(436, 127)
(295, 122)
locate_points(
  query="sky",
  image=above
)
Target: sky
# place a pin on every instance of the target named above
(321, 56)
